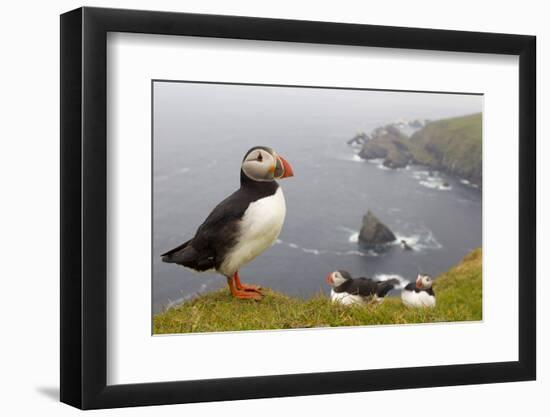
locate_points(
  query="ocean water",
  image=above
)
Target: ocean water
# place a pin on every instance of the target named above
(198, 148)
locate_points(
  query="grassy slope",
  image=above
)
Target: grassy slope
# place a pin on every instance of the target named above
(453, 144)
(458, 294)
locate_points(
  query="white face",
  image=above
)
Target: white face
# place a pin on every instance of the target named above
(423, 282)
(260, 165)
(335, 279)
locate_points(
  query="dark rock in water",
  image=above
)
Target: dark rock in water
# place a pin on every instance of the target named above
(387, 143)
(374, 234)
(373, 151)
(397, 157)
(395, 163)
(358, 139)
(405, 245)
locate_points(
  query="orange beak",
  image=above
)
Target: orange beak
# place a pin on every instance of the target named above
(329, 279)
(288, 171)
(418, 283)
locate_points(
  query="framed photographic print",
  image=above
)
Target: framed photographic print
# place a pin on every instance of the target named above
(250, 205)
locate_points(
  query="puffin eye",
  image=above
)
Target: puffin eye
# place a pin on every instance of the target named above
(260, 158)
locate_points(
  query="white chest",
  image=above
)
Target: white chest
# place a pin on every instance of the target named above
(417, 299)
(347, 299)
(259, 228)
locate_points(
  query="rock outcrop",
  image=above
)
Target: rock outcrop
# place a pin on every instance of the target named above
(387, 143)
(374, 234)
(359, 139)
(450, 145)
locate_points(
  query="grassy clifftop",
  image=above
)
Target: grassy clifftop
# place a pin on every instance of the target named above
(454, 145)
(458, 292)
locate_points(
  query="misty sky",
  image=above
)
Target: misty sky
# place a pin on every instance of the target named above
(234, 109)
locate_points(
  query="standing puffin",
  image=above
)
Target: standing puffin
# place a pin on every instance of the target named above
(420, 293)
(347, 290)
(242, 226)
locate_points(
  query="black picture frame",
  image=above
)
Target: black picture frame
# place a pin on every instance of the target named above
(84, 207)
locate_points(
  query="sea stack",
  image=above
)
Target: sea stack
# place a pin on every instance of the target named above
(374, 234)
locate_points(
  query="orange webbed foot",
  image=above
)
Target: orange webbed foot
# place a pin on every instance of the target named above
(246, 287)
(248, 295)
(238, 291)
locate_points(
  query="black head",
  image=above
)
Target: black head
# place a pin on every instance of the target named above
(337, 278)
(263, 164)
(424, 282)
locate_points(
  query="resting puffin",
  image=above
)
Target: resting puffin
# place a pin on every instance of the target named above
(242, 226)
(347, 290)
(420, 293)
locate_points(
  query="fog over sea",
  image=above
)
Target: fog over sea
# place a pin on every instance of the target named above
(201, 132)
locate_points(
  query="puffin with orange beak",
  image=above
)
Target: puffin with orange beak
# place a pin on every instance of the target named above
(420, 293)
(347, 290)
(242, 226)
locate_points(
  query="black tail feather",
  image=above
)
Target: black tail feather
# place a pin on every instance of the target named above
(384, 287)
(172, 255)
(186, 255)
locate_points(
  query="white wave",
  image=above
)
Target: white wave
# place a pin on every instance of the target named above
(421, 174)
(424, 239)
(350, 157)
(369, 253)
(436, 185)
(468, 183)
(432, 180)
(314, 251)
(380, 165)
(412, 240)
(379, 162)
(421, 240)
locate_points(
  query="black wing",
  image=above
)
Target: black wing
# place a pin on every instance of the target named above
(367, 287)
(219, 232)
(214, 237)
(362, 286)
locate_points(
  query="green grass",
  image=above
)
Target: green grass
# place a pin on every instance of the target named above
(453, 144)
(458, 292)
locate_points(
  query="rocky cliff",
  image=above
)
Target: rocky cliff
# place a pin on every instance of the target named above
(451, 145)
